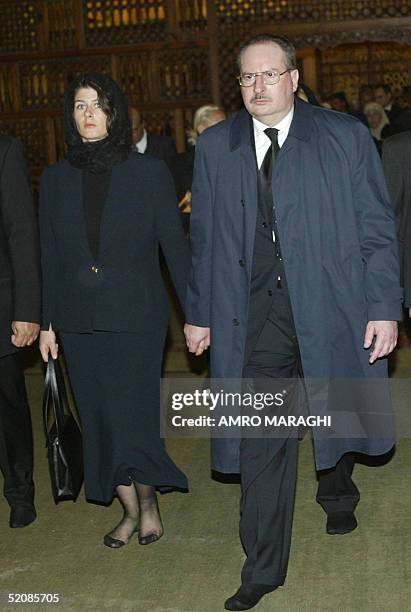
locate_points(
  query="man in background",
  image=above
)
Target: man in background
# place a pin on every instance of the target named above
(19, 327)
(383, 95)
(156, 145)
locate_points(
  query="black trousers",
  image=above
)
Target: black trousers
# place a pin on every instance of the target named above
(269, 465)
(16, 440)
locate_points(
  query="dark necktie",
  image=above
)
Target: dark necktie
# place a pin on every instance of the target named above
(270, 156)
(266, 170)
(267, 193)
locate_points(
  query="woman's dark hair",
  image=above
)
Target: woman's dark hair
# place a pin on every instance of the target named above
(99, 156)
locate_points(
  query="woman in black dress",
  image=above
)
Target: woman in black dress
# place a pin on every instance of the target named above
(104, 212)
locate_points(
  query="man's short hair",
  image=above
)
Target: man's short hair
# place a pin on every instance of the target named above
(385, 87)
(284, 44)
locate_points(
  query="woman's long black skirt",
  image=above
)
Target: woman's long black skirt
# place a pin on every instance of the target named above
(115, 378)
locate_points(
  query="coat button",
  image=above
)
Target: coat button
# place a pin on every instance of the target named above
(270, 293)
(264, 224)
(236, 322)
(241, 262)
(242, 203)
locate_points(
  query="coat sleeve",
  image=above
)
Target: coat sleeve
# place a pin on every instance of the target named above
(376, 226)
(198, 303)
(49, 260)
(392, 163)
(20, 223)
(170, 232)
(395, 157)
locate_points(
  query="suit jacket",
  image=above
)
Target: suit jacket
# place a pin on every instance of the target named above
(122, 289)
(19, 249)
(394, 112)
(162, 147)
(337, 234)
(396, 156)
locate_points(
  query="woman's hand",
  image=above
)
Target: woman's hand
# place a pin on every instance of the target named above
(48, 344)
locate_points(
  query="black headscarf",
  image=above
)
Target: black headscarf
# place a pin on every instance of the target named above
(100, 156)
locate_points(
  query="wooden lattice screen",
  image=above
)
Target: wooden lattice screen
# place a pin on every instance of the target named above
(171, 56)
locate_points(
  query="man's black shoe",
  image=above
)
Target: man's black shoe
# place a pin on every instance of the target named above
(248, 596)
(341, 522)
(21, 516)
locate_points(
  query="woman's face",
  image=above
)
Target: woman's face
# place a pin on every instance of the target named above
(374, 118)
(90, 119)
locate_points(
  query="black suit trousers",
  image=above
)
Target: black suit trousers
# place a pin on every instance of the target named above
(16, 441)
(269, 464)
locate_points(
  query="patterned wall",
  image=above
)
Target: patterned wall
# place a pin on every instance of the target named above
(164, 53)
(345, 68)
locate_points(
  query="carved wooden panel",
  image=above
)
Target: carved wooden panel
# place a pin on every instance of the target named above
(292, 11)
(61, 26)
(160, 122)
(123, 22)
(135, 77)
(231, 38)
(347, 67)
(184, 74)
(6, 88)
(19, 26)
(43, 82)
(33, 134)
(165, 69)
(191, 17)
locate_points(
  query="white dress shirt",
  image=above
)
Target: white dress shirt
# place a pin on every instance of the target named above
(262, 142)
(141, 145)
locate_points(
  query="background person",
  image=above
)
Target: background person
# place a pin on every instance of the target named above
(104, 212)
(378, 122)
(145, 142)
(383, 96)
(204, 117)
(19, 327)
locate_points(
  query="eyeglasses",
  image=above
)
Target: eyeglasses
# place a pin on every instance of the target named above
(270, 77)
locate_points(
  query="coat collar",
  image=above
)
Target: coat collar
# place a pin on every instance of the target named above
(300, 128)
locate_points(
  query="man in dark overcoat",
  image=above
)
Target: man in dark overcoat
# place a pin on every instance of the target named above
(396, 159)
(19, 327)
(294, 274)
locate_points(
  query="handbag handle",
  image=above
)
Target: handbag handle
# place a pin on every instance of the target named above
(55, 390)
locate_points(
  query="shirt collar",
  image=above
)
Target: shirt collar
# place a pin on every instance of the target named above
(282, 126)
(141, 145)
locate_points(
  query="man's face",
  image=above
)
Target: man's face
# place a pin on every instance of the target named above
(382, 97)
(268, 103)
(137, 125)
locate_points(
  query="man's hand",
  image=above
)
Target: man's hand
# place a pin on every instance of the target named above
(48, 345)
(386, 333)
(197, 338)
(24, 333)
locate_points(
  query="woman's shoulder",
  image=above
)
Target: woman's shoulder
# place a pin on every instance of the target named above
(57, 169)
(146, 161)
(145, 167)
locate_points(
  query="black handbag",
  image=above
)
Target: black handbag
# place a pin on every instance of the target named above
(63, 438)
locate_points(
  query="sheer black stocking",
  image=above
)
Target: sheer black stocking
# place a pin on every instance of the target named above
(151, 527)
(122, 533)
